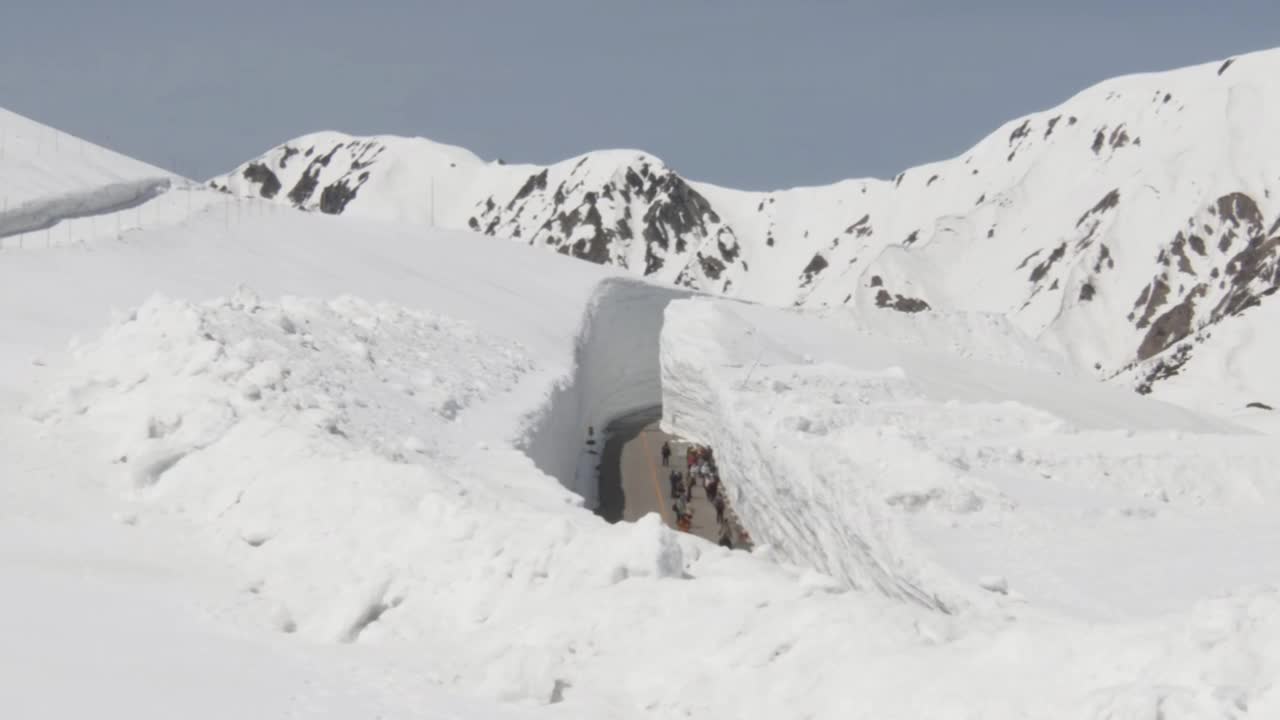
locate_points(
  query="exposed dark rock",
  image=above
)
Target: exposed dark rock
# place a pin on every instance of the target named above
(1039, 271)
(1238, 208)
(1197, 244)
(1098, 141)
(876, 281)
(334, 198)
(911, 239)
(1108, 202)
(1165, 368)
(862, 227)
(1167, 97)
(900, 303)
(1053, 121)
(267, 180)
(1021, 131)
(1087, 292)
(1225, 65)
(815, 266)
(1176, 249)
(728, 251)
(652, 263)
(305, 186)
(1172, 326)
(288, 153)
(711, 267)
(1252, 271)
(1154, 296)
(1259, 406)
(1119, 137)
(1104, 258)
(932, 179)
(364, 160)
(535, 182)
(1028, 259)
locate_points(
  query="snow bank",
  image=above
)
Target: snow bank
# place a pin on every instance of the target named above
(615, 372)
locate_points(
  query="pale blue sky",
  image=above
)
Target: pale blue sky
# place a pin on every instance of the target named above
(745, 93)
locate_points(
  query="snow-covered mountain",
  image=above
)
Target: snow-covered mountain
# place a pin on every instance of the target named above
(1112, 227)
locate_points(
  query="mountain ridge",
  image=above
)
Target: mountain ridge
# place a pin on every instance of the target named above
(1112, 227)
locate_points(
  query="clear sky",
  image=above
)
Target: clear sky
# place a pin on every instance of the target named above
(743, 93)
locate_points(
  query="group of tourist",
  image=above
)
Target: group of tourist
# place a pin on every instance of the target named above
(700, 467)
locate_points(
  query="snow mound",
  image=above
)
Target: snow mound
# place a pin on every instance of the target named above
(376, 376)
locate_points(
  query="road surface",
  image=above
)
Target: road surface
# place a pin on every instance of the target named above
(633, 481)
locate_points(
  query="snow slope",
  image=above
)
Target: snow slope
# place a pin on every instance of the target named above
(47, 177)
(1110, 227)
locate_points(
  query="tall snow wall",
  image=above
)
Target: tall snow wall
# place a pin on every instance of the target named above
(798, 499)
(616, 372)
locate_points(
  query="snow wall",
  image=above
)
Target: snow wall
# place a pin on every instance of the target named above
(45, 212)
(616, 372)
(806, 509)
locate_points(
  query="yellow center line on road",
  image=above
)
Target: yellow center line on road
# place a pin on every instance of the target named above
(653, 472)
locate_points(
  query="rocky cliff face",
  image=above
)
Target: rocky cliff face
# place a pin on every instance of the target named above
(1113, 227)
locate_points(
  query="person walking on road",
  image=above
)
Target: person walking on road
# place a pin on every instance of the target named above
(666, 453)
(677, 487)
(718, 504)
(681, 508)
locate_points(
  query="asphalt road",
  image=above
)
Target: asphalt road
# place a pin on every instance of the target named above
(633, 481)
